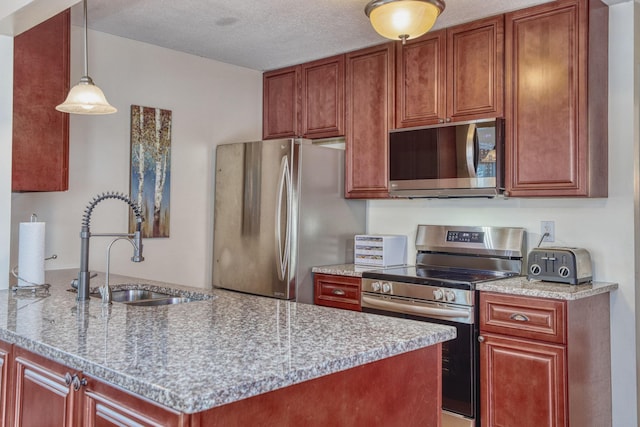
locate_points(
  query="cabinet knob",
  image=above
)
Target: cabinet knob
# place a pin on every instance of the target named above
(480, 338)
(440, 120)
(448, 119)
(77, 382)
(338, 292)
(68, 379)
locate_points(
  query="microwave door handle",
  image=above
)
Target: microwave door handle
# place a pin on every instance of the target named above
(470, 150)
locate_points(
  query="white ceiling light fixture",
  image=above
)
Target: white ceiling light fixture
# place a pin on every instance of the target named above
(403, 19)
(86, 97)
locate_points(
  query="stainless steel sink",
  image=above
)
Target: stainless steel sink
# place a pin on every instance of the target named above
(131, 295)
(160, 301)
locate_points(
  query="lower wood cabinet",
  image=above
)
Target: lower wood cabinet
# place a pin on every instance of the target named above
(337, 291)
(43, 393)
(105, 405)
(5, 381)
(46, 393)
(545, 362)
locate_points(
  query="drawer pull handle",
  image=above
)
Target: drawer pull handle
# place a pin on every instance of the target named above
(338, 292)
(519, 317)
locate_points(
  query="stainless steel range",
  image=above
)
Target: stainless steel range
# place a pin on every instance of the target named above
(440, 288)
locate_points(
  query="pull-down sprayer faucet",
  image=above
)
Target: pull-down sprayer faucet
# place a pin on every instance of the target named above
(135, 239)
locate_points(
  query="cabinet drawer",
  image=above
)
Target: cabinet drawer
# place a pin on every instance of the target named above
(337, 291)
(526, 317)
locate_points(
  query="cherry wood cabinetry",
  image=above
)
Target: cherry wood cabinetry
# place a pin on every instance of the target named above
(556, 99)
(5, 381)
(545, 362)
(451, 75)
(281, 103)
(337, 291)
(370, 113)
(323, 98)
(40, 150)
(305, 100)
(43, 393)
(105, 405)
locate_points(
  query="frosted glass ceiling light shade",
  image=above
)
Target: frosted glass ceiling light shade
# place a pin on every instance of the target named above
(403, 19)
(86, 97)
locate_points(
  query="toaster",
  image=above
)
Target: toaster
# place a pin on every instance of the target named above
(559, 264)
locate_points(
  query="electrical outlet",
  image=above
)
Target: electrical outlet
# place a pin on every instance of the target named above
(548, 227)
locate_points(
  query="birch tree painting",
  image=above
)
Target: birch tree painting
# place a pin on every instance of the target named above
(151, 168)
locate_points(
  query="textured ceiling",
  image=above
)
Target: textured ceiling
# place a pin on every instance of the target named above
(261, 34)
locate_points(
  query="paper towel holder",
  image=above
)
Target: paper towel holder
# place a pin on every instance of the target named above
(33, 287)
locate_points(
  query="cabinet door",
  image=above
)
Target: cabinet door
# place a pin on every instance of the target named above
(475, 70)
(523, 383)
(337, 291)
(104, 405)
(323, 98)
(5, 382)
(42, 397)
(421, 80)
(370, 77)
(281, 103)
(40, 159)
(553, 91)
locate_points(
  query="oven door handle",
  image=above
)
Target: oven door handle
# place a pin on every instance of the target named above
(414, 309)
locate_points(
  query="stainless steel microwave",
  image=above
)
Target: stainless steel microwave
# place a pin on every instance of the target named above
(451, 160)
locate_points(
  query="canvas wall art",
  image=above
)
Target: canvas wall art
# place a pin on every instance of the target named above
(150, 173)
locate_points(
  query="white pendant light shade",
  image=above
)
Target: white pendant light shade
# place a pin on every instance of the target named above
(86, 97)
(403, 19)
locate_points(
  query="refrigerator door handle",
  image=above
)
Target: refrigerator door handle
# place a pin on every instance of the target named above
(284, 189)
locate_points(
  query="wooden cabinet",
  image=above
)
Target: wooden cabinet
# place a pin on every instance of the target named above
(46, 393)
(105, 405)
(370, 113)
(305, 100)
(40, 150)
(451, 75)
(323, 98)
(556, 99)
(337, 291)
(545, 362)
(5, 381)
(43, 392)
(281, 103)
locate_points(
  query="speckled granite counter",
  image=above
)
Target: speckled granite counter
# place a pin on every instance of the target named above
(198, 355)
(536, 288)
(342, 270)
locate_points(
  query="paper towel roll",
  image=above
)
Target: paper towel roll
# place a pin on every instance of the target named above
(31, 253)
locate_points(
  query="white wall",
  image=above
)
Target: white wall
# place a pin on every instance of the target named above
(211, 103)
(6, 113)
(603, 226)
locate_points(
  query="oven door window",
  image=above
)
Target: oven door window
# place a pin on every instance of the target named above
(459, 366)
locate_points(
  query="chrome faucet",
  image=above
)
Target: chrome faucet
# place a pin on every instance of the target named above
(135, 239)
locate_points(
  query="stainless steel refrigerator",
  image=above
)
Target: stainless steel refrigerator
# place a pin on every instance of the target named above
(279, 210)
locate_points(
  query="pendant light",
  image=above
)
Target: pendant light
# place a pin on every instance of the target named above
(403, 19)
(86, 97)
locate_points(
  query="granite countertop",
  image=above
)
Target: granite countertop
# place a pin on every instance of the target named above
(198, 355)
(536, 288)
(343, 269)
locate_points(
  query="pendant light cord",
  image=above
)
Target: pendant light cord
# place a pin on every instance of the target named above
(86, 49)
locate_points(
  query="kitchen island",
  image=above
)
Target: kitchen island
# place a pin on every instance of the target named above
(231, 358)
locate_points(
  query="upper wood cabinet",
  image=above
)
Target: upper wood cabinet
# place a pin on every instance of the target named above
(281, 103)
(556, 100)
(323, 98)
(305, 100)
(40, 150)
(369, 92)
(451, 75)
